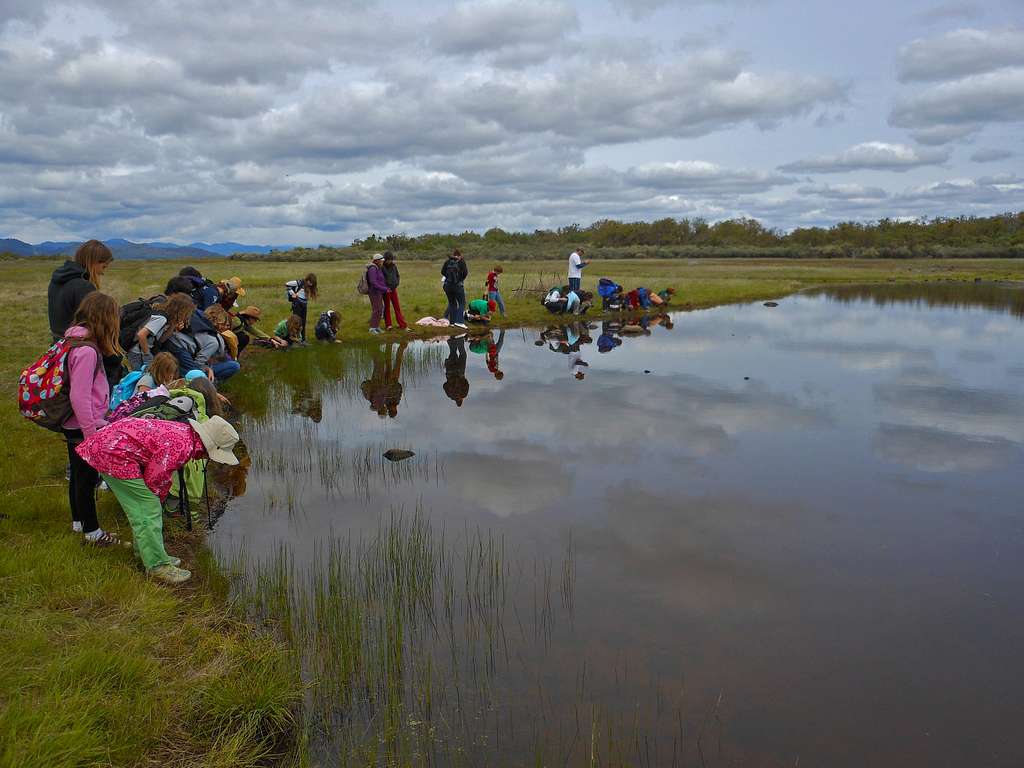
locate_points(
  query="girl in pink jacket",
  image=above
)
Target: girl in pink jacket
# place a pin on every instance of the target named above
(94, 333)
(137, 458)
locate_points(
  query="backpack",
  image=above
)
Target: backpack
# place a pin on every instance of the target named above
(124, 389)
(452, 273)
(44, 388)
(134, 315)
(181, 408)
(364, 284)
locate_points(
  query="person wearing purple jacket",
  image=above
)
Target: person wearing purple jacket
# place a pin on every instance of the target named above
(378, 287)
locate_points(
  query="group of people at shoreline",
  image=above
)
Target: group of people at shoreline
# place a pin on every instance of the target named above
(133, 389)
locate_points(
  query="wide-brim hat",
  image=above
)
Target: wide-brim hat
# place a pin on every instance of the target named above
(218, 438)
(235, 283)
(253, 312)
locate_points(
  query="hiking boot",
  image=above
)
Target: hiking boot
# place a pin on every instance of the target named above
(169, 574)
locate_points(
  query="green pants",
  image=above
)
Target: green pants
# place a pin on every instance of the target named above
(146, 516)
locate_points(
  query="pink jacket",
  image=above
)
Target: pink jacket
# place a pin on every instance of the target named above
(90, 392)
(152, 449)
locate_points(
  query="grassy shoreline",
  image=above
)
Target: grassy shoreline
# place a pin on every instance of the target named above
(105, 667)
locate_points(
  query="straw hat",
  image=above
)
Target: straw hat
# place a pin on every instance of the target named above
(218, 437)
(235, 283)
(253, 312)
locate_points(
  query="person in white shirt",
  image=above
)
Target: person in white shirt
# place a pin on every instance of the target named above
(576, 265)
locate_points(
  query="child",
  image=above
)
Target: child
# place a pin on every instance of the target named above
(161, 372)
(137, 458)
(289, 331)
(94, 330)
(492, 288)
(326, 328)
(299, 292)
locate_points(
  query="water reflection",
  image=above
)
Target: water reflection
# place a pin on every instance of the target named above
(797, 538)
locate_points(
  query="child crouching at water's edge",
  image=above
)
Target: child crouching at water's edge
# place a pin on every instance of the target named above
(137, 458)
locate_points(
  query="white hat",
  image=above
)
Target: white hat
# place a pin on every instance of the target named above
(218, 437)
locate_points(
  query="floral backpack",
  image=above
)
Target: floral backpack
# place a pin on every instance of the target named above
(44, 388)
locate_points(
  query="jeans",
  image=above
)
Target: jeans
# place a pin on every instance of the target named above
(377, 307)
(456, 296)
(81, 485)
(495, 296)
(391, 300)
(574, 284)
(225, 369)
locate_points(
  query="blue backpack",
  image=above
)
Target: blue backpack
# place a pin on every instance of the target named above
(125, 388)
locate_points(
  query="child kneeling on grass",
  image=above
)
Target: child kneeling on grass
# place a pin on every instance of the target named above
(137, 458)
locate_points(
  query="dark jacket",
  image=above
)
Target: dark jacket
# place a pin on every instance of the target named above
(454, 272)
(68, 286)
(391, 276)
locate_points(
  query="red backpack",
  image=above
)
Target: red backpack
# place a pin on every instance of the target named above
(44, 388)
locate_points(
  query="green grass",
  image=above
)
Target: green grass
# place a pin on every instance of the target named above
(102, 666)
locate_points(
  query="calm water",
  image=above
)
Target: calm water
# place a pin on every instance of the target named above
(750, 536)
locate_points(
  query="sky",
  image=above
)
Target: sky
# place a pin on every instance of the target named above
(287, 122)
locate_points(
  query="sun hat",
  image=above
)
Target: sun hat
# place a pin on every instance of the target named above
(236, 285)
(253, 312)
(218, 437)
(195, 373)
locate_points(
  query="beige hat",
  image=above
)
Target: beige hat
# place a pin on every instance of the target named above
(218, 437)
(253, 312)
(236, 285)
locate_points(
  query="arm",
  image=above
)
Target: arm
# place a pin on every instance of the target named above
(83, 363)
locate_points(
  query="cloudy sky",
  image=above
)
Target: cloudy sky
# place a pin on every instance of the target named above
(269, 121)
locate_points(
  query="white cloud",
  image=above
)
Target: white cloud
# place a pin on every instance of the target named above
(871, 155)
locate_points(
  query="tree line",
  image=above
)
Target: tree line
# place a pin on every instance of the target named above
(1004, 230)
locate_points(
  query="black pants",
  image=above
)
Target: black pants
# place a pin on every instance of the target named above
(82, 485)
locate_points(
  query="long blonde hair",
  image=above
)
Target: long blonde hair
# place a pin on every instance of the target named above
(100, 314)
(89, 254)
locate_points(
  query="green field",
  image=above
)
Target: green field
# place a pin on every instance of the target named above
(104, 667)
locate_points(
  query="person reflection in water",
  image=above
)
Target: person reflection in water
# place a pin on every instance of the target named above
(456, 385)
(383, 390)
(493, 350)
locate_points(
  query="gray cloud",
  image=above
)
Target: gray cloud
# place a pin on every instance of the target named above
(991, 155)
(871, 155)
(506, 32)
(959, 53)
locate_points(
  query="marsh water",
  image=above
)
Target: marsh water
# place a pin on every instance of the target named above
(743, 536)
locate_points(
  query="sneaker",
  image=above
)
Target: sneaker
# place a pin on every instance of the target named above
(169, 574)
(104, 539)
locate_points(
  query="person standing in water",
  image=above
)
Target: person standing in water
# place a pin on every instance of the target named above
(576, 265)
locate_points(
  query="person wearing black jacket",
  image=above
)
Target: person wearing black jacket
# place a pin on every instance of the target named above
(73, 281)
(455, 273)
(392, 278)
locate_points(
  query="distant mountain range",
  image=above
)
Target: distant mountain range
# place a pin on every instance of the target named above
(126, 249)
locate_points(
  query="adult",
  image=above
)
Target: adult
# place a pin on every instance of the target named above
(392, 278)
(492, 288)
(73, 281)
(454, 271)
(299, 293)
(456, 385)
(576, 265)
(378, 289)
